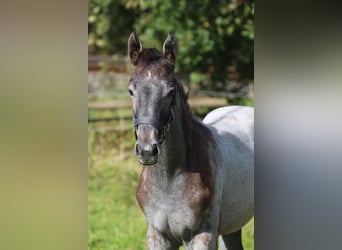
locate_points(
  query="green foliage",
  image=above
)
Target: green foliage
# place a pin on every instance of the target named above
(215, 38)
(244, 101)
(109, 25)
(211, 35)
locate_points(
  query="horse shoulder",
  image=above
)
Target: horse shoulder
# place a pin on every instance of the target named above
(196, 193)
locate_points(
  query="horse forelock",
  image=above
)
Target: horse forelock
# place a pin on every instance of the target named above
(150, 55)
(151, 60)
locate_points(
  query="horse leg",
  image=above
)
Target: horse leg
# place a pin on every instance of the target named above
(156, 241)
(231, 241)
(204, 241)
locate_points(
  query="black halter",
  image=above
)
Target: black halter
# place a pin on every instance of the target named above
(162, 128)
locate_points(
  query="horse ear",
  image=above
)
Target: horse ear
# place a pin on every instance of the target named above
(170, 48)
(134, 48)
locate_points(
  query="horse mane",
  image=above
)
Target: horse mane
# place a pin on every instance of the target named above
(184, 96)
(197, 138)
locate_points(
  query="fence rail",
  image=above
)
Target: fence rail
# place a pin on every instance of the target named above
(109, 119)
(194, 102)
(96, 62)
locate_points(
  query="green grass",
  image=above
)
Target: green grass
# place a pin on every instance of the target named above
(248, 235)
(114, 218)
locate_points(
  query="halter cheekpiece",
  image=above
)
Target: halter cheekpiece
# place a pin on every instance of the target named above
(163, 128)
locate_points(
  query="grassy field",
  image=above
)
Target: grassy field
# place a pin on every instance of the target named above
(115, 220)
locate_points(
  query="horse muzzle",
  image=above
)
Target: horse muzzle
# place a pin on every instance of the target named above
(147, 153)
(147, 146)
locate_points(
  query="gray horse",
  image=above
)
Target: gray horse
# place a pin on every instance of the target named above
(197, 181)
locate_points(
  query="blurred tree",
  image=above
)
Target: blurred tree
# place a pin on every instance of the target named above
(215, 38)
(109, 25)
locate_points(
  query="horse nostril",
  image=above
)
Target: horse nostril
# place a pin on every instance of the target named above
(155, 150)
(146, 149)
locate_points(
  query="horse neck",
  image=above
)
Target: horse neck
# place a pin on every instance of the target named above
(175, 147)
(189, 147)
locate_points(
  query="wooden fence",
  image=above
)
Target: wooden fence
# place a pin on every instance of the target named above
(194, 102)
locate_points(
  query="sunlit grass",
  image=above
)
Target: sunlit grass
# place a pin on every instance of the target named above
(248, 235)
(114, 218)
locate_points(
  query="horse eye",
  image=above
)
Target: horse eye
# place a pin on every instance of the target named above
(130, 92)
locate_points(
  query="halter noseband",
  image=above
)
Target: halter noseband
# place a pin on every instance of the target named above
(162, 128)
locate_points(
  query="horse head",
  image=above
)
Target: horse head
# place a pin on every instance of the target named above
(152, 88)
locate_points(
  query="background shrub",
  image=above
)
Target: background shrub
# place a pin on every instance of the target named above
(215, 38)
